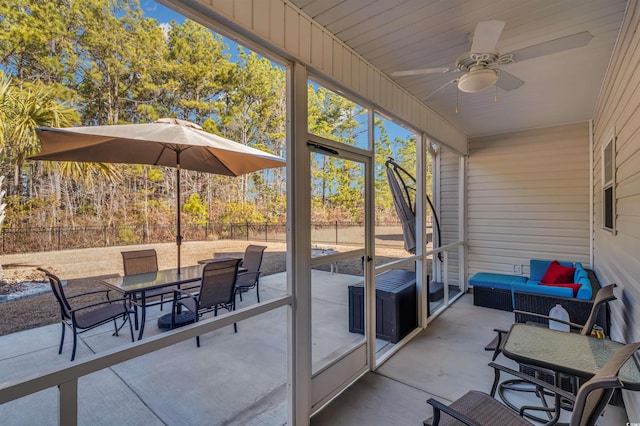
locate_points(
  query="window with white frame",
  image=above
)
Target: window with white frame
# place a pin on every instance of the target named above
(609, 184)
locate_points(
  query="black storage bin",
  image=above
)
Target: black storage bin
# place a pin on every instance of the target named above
(396, 311)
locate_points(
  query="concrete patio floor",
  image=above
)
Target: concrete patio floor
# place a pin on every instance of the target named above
(233, 378)
(240, 379)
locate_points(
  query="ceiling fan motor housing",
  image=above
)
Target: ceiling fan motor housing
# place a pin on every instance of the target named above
(477, 80)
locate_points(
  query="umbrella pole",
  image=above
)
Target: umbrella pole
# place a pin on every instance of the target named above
(179, 236)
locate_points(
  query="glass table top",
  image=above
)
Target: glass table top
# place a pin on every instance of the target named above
(568, 353)
(149, 281)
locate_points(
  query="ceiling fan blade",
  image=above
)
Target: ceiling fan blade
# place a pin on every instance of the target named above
(486, 36)
(508, 81)
(552, 46)
(441, 70)
(432, 94)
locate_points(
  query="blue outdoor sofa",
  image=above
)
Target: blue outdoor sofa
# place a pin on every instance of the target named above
(517, 292)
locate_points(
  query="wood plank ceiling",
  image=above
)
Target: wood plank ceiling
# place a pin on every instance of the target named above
(558, 88)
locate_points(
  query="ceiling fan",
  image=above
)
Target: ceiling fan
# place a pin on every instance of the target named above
(479, 66)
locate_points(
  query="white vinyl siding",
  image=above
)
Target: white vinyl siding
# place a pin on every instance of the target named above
(528, 198)
(449, 209)
(284, 29)
(617, 256)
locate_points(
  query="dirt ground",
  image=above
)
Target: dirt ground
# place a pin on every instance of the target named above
(76, 265)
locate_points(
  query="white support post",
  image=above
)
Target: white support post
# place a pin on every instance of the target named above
(445, 275)
(298, 249)
(369, 272)
(421, 236)
(462, 223)
(591, 196)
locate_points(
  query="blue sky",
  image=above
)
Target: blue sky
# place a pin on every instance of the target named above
(159, 12)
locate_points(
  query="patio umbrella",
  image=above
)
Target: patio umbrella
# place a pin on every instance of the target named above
(167, 142)
(403, 204)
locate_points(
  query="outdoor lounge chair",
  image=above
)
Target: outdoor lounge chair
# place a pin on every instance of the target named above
(251, 278)
(217, 290)
(83, 318)
(477, 408)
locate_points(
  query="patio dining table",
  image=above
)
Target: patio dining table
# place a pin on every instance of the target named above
(562, 352)
(567, 353)
(130, 285)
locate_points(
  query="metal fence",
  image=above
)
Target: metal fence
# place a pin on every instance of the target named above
(37, 239)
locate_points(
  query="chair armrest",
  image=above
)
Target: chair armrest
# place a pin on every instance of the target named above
(501, 335)
(496, 344)
(177, 305)
(93, 305)
(89, 292)
(533, 314)
(438, 406)
(191, 286)
(247, 277)
(534, 380)
(181, 294)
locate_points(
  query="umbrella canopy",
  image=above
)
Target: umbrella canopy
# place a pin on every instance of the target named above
(404, 206)
(167, 142)
(156, 144)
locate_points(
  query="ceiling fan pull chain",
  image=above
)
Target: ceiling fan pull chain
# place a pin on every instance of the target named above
(457, 98)
(496, 98)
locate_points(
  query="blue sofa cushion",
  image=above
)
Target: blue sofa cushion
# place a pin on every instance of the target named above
(586, 291)
(581, 277)
(580, 272)
(542, 289)
(501, 281)
(537, 270)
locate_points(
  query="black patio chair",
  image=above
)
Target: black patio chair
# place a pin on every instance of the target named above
(83, 318)
(143, 262)
(139, 261)
(251, 277)
(217, 290)
(478, 409)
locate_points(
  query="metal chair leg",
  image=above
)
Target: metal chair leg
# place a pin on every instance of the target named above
(115, 326)
(64, 328)
(125, 318)
(75, 343)
(197, 337)
(128, 319)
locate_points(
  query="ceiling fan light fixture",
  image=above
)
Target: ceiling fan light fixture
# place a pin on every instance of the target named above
(478, 80)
